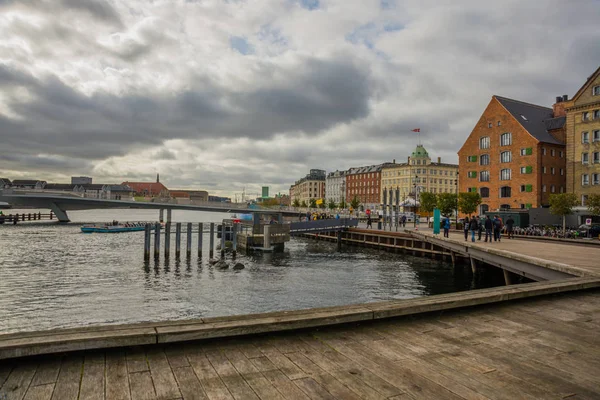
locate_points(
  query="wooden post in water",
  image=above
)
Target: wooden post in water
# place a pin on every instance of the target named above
(51, 215)
(223, 241)
(200, 234)
(211, 251)
(147, 231)
(473, 265)
(167, 240)
(178, 240)
(188, 249)
(157, 241)
(234, 233)
(267, 237)
(339, 240)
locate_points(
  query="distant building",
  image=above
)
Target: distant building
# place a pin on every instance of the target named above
(335, 187)
(28, 184)
(219, 199)
(5, 183)
(515, 156)
(283, 199)
(178, 194)
(311, 187)
(118, 192)
(92, 190)
(81, 180)
(60, 187)
(148, 189)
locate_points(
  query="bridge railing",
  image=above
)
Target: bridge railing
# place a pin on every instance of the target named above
(322, 225)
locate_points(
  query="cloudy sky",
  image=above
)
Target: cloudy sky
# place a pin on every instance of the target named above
(227, 94)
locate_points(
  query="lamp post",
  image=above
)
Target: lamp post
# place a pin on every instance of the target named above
(456, 182)
(416, 197)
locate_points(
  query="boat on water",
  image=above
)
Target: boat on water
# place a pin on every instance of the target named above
(116, 228)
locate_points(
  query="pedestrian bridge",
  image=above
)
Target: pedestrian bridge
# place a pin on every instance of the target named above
(322, 225)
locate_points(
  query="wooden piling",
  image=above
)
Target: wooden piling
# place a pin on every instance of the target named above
(178, 240)
(267, 237)
(211, 251)
(200, 234)
(223, 241)
(188, 249)
(147, 232)
(339, 240)
(167, 240)
(234, 232)
(157, 241)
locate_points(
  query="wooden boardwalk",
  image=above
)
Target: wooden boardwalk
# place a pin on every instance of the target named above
(542, 348)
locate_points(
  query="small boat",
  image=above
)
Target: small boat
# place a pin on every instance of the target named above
(108, 228)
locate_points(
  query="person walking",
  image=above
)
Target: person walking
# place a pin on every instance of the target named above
(369, 221)
(480, 222)
(446, 227)
(466, 224)
(473, 226)
(489, 226)
(497, 228)
(404, 221)
(509, 227)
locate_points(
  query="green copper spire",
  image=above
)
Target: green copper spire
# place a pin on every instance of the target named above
(420, 152)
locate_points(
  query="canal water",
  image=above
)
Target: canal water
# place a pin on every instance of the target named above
(54, 276)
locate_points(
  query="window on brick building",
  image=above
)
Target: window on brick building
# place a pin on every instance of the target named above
(562, 189)
(472, 174)
(585, 179)
(505, 139)
(522, 188)
(543, 151)
(505, 156)
(544, 170)
(489, 124)
(596, 90)
(596, 157)
(585, 158)
(552, 152)
(596, 136)
(499, 123)
(584, 199)
(595, 179)
(585, 137)
(505, 191)
(484, 159)
(484, 142)
(484, 176)
(484, 192)
(505, 174)
(470, 159)
(526, 170)
(553, 170)
(527, 151)
(561, 154)
(544, 188)
(553, 189)
(596, 114)
(585, 116)
(562, 172)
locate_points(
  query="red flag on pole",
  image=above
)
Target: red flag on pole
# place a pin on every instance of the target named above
(417, 130)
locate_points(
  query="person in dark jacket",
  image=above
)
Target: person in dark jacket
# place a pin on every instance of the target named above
(473, 227)
(497, 228)
(479, 227)
(509, 227)
(489, 226)
(446, 227)
(466, 228)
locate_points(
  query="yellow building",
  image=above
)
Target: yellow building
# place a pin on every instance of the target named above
(418, 175)
(311, 187)
(583, 139)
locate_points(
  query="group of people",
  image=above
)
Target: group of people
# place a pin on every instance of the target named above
(492, 227)
(316, 216)
(401, 221)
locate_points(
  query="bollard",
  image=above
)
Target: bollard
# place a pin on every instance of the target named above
(167, 240)
(157, 241)
(147, 231)
(200, 234)
(39, 215)
(28, 217)
(50, 214)
(178, 240)
(223, 241)
(188, 249)
(235, 226)
(267, 237)
(161, 215)
(211, 249)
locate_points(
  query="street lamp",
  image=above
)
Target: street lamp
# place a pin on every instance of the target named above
(416, 197)
(456, 182)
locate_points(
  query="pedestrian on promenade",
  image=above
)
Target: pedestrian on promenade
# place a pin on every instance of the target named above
(466, 223)
(497, 228)
(489, 226)
(369, 221)
(509, 227)
(404, 221)
(473, 226)
(480, 222)
(446, 227)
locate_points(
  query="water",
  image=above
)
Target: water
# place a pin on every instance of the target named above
(54, 276)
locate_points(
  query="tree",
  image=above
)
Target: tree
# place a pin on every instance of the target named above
(313, 203)
(593, 203)
(303, 204)
(562, 204)
(355, 203)
(332, 205)
(427, 202)
(322, 205)
(343, 204)
(296, 203)
(468, 202)
(446, 202)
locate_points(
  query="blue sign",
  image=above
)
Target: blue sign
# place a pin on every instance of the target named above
(436, 221)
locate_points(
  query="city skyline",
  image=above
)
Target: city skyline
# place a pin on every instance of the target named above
(225, 95)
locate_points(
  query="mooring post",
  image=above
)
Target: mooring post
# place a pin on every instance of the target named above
(168, 240)
(267, 237)
(200, 234)
(222, 240)
(507, 277)
(211, 250)
(169, 215)
(178, 240)
(473, 265)
(235, 226)
(147, 231)
(188, 249)
(51, 215)
(339, 240)
(161, 215)
(157, 241)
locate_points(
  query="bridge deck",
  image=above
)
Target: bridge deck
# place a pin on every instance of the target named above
(532, 349)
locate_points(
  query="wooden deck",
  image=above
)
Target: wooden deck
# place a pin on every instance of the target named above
(542, 348)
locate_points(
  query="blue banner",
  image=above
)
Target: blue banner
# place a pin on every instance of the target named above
(436, 221)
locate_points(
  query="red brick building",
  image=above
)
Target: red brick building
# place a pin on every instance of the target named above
(515, 156)
(364, 183)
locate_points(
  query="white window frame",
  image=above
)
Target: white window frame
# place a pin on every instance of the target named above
(523, 170)
(585, 158)
(596, 157)
(596, 114)
(585, 116)
(543, 151)
(502, 156)
(596, 136)
(553, 152)
(507, 142)
(596, 90)
(483, 143)
(487, 175)
(562, 172)
(544, 188)
(585, 137)
(552, 170)
(595, 179)
(509, 174)
(585, 180)
(561, 154)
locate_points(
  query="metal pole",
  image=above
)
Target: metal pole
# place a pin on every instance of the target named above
(168, 240)
(212, 240)
(147, 242)
(161, 215)
(200, 234)
(157, 241)
(188, 249)
(223, 241)
(178, 240)
(235, 226)
(168, 215)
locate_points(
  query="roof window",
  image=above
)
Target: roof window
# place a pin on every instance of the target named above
(524, 117)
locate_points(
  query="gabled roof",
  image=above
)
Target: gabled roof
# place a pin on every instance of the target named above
(531, 117)
(59, 186)
(26, 181)
(555, 123)
(5, 180)
(587, 83)
(119, 188)
(146, 187)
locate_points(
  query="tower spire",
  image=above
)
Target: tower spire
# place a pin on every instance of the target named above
(157, 178)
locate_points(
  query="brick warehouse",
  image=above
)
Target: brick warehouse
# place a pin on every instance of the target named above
(515, 156)
(364, 183)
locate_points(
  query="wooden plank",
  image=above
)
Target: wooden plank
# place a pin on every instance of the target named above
(230, 377)
(41, 392)
(176, 356)
(92, 381)
(249, 350)
(162, 375)
(69, 378)
(313, 389)
(47, 371)
(210, 380)
(261, 386)
(278, 379)
(141, 386)
(282, 362)
(5, 369)
(19, 380)
(136, 360)
(189, 385)
(117, 377)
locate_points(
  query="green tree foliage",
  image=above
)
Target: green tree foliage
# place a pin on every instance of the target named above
(332, 205)
(427, 201)
(562, 204)
(593, 203)
(313, 203)
(355, 203)
(468, 202)
(296, 203)
(303, 204)
(446, 202)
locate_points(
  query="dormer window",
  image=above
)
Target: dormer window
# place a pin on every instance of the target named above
(524, 117)
(596, 90)
(585, 116)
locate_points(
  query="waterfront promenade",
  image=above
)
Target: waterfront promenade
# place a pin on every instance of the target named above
(540, 348)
